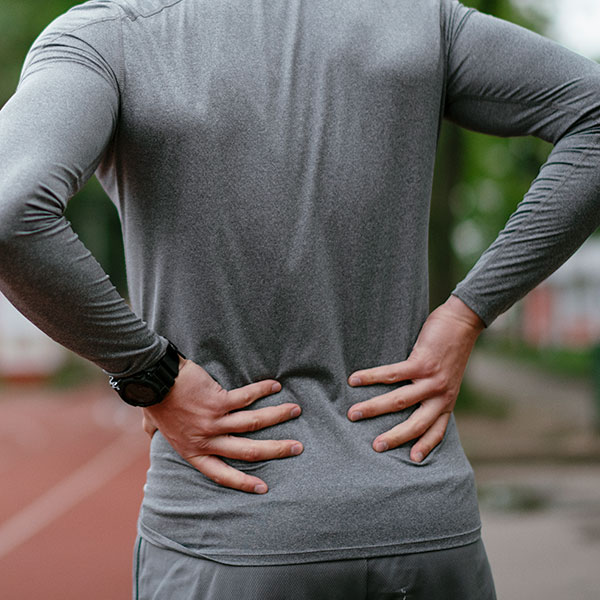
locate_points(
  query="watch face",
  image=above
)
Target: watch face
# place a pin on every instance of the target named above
(140, 393)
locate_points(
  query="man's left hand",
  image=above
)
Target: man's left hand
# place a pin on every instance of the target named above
(435, 368)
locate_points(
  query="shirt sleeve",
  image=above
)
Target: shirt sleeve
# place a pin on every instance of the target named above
(505, 80)
(53, 134)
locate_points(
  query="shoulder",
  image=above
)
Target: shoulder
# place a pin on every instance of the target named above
(88, 34)
(146, 8)
(89, 15)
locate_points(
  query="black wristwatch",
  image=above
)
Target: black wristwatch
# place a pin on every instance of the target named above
(150, 387)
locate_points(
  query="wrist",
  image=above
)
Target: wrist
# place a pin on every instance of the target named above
(462, 313)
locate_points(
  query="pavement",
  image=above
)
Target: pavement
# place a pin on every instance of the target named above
(72, 466)
(538, 475)
(549, 417)
(541, 529)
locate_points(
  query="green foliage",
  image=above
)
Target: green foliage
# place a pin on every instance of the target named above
(20, 23)
(568, 362)
(471, 402)
(512, 498)
(497, 172)
(74, 373)
(96, 221)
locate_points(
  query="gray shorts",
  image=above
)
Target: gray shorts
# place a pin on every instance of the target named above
(456, 574)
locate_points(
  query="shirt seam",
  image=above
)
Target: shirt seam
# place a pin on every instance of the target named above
(499, 100)
(452, 35)
(84, 25)
(132, 15)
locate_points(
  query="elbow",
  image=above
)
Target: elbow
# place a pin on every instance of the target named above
(22, 216)
(11, 220)
(29, 203)
(32, 197)
(585, 113)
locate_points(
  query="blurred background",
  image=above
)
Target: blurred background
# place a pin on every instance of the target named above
(73, 458)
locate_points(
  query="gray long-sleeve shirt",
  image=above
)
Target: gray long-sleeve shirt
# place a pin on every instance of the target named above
(272, 161)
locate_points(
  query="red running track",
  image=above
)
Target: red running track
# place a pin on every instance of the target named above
(72, 468)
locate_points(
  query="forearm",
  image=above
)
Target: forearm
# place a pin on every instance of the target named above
(55, 282)
(561, 209)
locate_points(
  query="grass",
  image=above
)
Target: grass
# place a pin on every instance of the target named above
(569, 362)
(503, 497)
(471, 402)
(74, 372)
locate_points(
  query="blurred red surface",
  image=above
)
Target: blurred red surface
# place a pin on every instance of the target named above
(72, 466)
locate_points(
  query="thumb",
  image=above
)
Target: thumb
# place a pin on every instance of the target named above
(149, 427)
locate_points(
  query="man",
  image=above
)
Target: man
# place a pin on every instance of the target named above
(272, 163)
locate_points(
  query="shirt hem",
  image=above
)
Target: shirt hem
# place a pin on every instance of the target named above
(258, 558)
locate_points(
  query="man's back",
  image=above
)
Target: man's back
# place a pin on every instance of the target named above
(277, 161)
(272, 165)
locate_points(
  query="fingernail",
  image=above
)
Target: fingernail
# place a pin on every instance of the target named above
(275, 387)
(381, 446)
(419, 456)
(355, 380)
(356, 415)
(296, 449)
(295, 412)
(261, 488)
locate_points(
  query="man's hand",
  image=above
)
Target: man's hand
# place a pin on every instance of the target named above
(198, 416)
(435, 367)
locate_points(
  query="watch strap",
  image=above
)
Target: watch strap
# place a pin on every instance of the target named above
(160, 377)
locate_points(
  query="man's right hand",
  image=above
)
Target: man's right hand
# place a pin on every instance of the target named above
(198, 416)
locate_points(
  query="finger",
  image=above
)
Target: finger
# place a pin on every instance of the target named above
(253, 450)
(415, 426)
(223, 474)
(430, 439)
(253, 420)
(246, 395)
(393, 401)
(401, 371)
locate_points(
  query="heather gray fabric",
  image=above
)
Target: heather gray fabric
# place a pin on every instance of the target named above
(272, 163)
(455, 574)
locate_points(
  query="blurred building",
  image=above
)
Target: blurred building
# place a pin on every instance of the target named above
(564, 310)
(25, 352)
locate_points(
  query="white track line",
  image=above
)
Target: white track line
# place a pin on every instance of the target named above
(69, 492)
